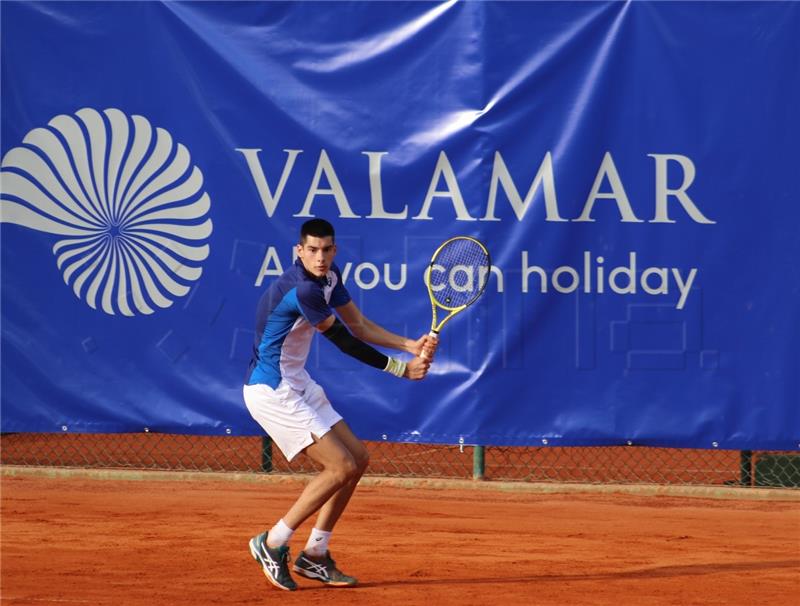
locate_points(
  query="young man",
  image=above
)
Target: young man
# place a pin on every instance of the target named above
(295, 411)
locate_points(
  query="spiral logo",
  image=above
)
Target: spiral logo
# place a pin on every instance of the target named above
(125, 201)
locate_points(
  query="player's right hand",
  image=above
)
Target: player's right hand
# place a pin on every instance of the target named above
(429, 347)
(416, 369)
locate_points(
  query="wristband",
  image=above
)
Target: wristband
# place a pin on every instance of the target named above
(395, 367)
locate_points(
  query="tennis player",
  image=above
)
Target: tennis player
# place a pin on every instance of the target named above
(295, 411)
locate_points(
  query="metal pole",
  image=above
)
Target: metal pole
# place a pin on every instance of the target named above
(478, 462)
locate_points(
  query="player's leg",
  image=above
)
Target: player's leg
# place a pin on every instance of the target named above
(333, 508)
(339, 469)
(293, 433)
(315, 561)
(329, 423)
(271, 548)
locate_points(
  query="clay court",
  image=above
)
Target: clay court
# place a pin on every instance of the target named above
(134, 538)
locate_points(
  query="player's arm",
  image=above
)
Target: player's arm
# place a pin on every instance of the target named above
(367, 330)
(337, 333)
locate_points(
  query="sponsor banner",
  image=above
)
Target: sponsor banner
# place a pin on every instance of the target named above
(632, 173)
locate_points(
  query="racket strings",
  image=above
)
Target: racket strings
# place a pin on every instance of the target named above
(459, 272)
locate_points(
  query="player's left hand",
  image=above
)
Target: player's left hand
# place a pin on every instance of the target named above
(416, 369)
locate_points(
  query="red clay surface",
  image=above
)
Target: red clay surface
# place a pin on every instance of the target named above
(79, 540)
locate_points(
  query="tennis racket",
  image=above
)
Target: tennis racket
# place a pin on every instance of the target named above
(456, 277)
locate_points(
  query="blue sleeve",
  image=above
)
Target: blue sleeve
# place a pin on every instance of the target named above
(311, 301)
(339, 296)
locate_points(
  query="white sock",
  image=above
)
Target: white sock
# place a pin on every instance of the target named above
(280, 534)
(318, 543)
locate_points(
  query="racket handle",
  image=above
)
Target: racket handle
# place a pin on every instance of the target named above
(435, 335)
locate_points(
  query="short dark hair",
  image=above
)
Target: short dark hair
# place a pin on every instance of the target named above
(319, 228)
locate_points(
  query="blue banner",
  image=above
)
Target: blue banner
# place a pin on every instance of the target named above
(632, 170)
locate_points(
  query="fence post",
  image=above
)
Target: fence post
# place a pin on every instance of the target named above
(266, 454)
(478, 462)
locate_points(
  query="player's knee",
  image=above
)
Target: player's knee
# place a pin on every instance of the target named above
(344, 470)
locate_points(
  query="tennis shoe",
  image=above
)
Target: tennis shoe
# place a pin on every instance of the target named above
(322, 568)
(274, 562)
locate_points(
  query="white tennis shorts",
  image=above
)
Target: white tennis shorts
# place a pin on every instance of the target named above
(291, 418)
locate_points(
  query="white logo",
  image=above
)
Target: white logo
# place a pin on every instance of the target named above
(125, 200)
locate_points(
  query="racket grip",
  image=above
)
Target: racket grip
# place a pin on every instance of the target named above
(435, 335)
